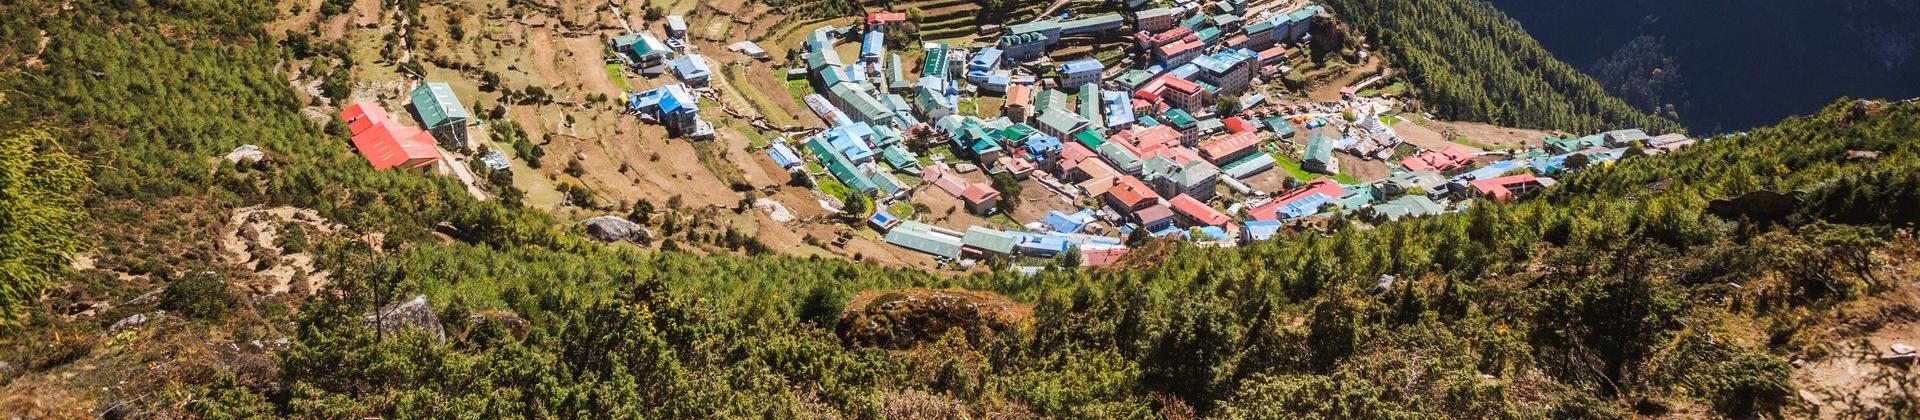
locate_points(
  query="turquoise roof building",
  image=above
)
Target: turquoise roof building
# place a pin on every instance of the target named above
(441, 112)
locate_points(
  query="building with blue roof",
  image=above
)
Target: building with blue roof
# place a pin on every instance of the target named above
(873, 46)
(1068, 223)
(672, 106)
(1080, 72)
(693, 70)
(1043, 145)
(983, 64)
(1040, 245)
(1260, 230)
(784, 155)
(1119, 109)
(1209, 234)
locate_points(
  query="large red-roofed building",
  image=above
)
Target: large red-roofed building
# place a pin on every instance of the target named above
(386, 143)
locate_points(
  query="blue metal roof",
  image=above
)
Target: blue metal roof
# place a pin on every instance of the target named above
(1261, 230)
(1082, 66)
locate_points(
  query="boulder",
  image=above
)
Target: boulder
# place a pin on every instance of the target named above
(246, 153)
(611, 228)
(128, 322)
(409, 315)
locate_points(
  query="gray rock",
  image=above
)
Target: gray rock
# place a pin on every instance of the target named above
(611, 228)
(1902, 348)
(246, 153)
(1385, 283)
(128, 322)
(410, 315)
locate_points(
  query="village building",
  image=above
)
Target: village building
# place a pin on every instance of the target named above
(1157, 19)
(1506, 188)
(693, 70)
(980, 199)
(1019, 106)
(1304, 201)
(674, 107)
(1196, 212)
(749, 49)
(1446, 161)
(385, 143)
(1318, 156)
(1170, 177)
(1080, 72)
(980, 240)
(441, 112)
(926, 238)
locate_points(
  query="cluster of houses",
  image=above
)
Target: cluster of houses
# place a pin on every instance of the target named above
(676, 105)
(1145, 147)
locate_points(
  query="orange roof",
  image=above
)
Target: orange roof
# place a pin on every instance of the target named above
(1198, 211)
(1019, 94)
(1498, 187)
(390, 145)
(1129, 191)
(1228, 146)
(1237, 125)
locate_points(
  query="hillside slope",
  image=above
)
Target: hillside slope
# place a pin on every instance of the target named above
(1621, 292)
(1728, 66)
(1473, 63)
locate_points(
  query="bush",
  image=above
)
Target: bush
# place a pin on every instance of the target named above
(201, 295)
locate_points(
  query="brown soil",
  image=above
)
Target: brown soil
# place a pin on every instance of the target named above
(1330, 91)
(1363, 169)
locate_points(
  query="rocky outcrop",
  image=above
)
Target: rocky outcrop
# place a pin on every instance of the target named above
(612, 228)
(412, 315)
(902, 319)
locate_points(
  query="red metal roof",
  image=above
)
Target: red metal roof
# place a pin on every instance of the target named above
(1439, 161)
(885, 17)
(1198, 211)
(391, 145)
(1237, 125)
(362, 116)
(1228, 146)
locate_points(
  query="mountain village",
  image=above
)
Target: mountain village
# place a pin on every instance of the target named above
(1068, 137)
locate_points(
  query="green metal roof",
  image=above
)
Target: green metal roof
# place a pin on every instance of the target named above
(1090, 139)
(988, 239)
(1319, 149)
(1179, 118)
(1061, 121)
(1134, 78)
(438, 106)
(924, 238)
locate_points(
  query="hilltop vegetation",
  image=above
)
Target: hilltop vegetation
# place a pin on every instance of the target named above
(1614, 294)
(1470, 62)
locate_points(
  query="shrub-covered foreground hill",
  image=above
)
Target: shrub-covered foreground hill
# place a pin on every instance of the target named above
(1626, 290)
